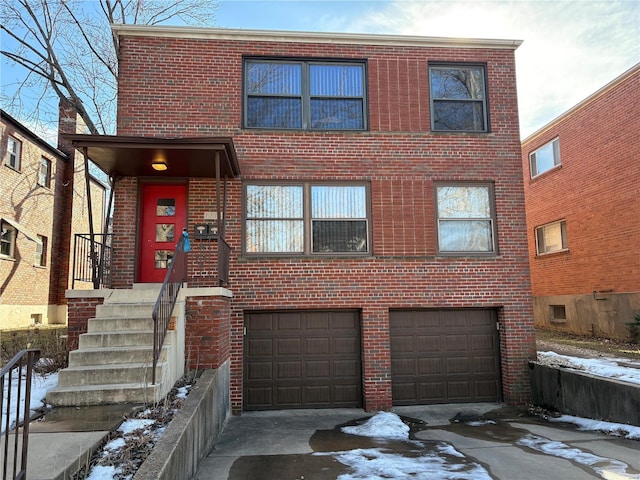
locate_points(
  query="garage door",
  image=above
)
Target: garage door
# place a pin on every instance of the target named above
(302, 360)
(444, 356)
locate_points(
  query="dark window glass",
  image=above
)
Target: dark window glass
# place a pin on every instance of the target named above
(458, 98)
(304, 95)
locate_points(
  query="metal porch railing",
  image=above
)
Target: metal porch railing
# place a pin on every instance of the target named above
(92, 260)
(11, 376)
(173, 280)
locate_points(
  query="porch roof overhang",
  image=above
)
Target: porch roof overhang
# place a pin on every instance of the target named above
(128, 156)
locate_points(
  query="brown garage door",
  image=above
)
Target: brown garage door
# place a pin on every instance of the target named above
(444, 356)
(302, 360)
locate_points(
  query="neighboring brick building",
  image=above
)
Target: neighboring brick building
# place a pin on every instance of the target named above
(375, 213)
(42, 202)
(583, 212)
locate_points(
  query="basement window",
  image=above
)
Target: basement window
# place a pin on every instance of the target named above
(558, 313)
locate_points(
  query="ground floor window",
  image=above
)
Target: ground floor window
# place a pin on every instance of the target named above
(7, 240)
(307, 218)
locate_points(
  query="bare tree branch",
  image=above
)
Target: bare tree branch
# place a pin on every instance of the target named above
(68, 51)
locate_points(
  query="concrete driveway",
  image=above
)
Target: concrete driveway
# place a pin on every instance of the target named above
(463, 441)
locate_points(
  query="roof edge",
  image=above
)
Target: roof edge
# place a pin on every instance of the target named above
(601, 91)
(311, 37)
(33, 136)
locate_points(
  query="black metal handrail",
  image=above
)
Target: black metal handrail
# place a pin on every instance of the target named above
(92, 259)
(173, 280)
(22, 362)
(224, 253)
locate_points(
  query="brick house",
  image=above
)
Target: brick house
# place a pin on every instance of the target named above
(584, 249)
(42, 204)
(370, 190)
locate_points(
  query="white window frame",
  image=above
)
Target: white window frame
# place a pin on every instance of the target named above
(44, 172)
(14, 152)
(8, 237)
(541, 247)
(554, 147)
(41, 251)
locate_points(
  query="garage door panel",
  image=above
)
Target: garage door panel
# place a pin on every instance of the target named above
(404, 366)
(429, 366)
(291, 395)
(317, 394)
(260, 371)
(302, 360)
(346, 345)
(455, 343)
(318, 321)
(319, 346)
(346, 369)
(431, 392)
(318, 369)
(427, 343)
(288, 322)
(288, 346)
(288, 370)
(258, 347)
(447, 355)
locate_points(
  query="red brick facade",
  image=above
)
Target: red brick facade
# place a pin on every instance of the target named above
(595, 190)
(187, 87)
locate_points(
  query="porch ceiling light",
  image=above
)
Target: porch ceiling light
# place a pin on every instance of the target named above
(159, 165)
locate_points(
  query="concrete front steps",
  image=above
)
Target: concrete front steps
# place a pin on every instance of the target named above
(113, 363)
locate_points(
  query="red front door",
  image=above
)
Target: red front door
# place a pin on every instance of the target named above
(164, 215)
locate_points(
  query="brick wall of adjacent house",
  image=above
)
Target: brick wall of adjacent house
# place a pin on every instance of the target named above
(596, 190)
(193, 87)
(25, 287)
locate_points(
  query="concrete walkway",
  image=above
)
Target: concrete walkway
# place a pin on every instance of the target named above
(505, 442)
(65, 439)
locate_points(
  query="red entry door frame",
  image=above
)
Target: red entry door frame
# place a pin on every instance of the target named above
(163, 216)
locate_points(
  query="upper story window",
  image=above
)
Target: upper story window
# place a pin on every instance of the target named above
(7, 239)
(545, 158)
(304, 95)
(41, 251)
(551, 237)
(458, 98)
(466, 219)
(44, 172)
(14, 148)
(307, 219)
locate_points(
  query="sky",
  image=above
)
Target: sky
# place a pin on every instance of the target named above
(570, 49)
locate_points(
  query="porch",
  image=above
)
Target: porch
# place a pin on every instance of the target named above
(134, 287)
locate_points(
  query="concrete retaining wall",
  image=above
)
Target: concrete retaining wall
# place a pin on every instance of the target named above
(193, 431)
(584, 395)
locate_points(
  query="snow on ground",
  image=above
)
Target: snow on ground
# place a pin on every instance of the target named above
(618, 429)
(605, 467)
(382, 425)
(421, 464)
(601, 367)
(40, 385)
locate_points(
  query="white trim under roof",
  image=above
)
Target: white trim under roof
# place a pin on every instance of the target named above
(310, 37)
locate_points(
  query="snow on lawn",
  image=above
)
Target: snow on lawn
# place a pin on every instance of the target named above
(40, 385)
(618, 429)
(601, 367)
(604, 467)
(382, 463)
